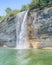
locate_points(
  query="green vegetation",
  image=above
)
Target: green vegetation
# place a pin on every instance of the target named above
(0, 18)
(9, 12)
(34, 4)
(25, 7)
(39, 3)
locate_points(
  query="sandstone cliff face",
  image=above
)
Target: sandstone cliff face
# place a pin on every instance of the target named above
(36, 29)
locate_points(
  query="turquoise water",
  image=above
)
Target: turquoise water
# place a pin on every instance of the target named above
(25, 57)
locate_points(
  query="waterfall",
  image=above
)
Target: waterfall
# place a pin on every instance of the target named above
(28, 29)
(22, 32)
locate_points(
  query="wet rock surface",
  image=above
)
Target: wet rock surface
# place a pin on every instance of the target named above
(24, 27)
(8, 32)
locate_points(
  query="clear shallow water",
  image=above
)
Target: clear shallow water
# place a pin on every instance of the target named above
(25, 57)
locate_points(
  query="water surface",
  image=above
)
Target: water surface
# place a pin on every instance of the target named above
(25, 57)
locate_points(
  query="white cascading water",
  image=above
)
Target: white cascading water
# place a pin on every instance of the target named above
(21, 30)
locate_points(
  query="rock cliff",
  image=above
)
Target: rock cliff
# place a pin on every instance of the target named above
(34, 27)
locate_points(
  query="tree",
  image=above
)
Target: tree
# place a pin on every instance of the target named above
(39, 3)
(50, 2)
(34, 4)
(15, 11)
(8, 11)
(0, 17)
(25, 7)
(44, 2)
